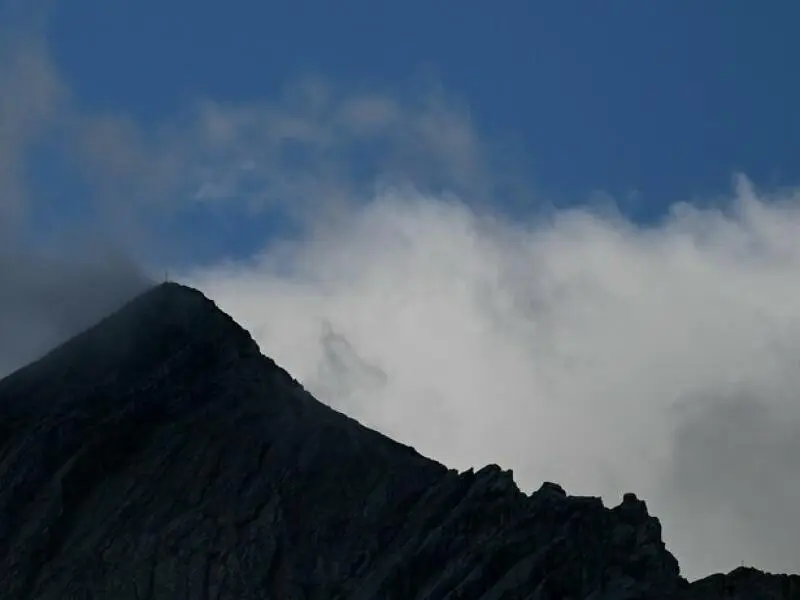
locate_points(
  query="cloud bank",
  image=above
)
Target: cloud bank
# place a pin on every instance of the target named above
(579, 348)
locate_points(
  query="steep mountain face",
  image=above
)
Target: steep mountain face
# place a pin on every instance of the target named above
(159, 455)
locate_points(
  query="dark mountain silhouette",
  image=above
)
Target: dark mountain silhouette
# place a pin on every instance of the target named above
(159, 455)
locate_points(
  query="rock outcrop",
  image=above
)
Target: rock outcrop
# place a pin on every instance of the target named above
(159, 455)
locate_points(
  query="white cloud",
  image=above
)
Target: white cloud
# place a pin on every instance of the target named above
(581, 349)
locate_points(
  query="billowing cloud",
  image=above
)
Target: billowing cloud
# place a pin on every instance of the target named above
(579, 348)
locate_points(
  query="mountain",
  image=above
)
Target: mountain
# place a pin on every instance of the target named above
(159, 455)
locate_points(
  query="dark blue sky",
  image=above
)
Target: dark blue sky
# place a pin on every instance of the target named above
(650, 102)
(668, 98)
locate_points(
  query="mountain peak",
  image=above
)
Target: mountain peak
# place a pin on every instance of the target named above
(148, 332)
(160, 455)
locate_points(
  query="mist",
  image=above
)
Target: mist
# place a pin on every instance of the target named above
(45, 300)
(54, 280)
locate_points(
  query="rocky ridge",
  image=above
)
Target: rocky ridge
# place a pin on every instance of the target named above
(160, 455)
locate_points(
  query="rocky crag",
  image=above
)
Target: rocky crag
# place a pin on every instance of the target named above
(159, 455)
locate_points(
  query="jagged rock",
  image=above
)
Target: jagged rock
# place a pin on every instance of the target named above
(160, 455)
(744, 583)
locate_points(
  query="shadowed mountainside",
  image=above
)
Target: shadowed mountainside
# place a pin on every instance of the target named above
(159, 455)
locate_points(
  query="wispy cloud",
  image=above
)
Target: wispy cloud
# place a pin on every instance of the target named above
(315, 148)
(51, 286)
(30, 100)
(312, 155)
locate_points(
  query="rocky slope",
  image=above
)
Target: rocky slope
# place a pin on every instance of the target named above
(159, 455)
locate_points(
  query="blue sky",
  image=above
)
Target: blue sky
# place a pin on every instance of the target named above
(650, 102)
(665, 98)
